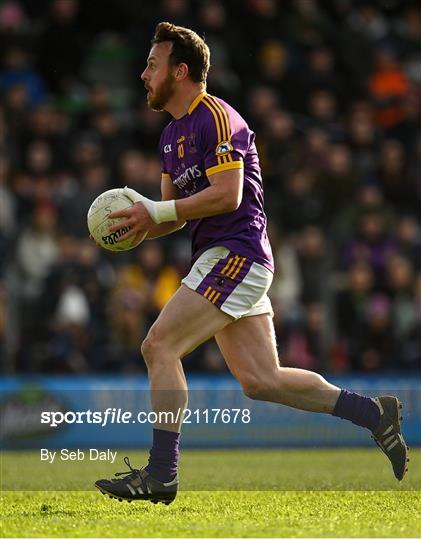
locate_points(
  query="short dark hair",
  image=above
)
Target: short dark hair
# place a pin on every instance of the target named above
(188, 48)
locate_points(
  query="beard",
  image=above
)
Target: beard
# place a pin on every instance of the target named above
(162, 94)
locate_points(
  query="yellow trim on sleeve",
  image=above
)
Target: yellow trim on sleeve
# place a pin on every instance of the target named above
(224, 167)
(165, 176)
(196, 102)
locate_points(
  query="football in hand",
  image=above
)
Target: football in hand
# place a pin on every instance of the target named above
(99, 222)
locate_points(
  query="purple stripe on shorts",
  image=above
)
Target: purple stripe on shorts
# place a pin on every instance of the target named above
(230, 284)
(208, 279)
(221, 285)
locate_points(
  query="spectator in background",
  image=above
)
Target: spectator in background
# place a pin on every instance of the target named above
(408, 32)
(126, 310)
(73, 302)
(147, 128)
(17, 72)
(99, 101)
(369, 197)
(3, 326)
(400, 284)
(377, 347)
(132, 170)
(16, 106)
(300, 204)
(320, 74)
(363, 140)
(14, 28)
(36, 253)
(322, 110)
(74, 207)
(410, 352)
(337, 184)
(111, 137)
(315, 149)
(397, 186)
(37, 250)
(306, 23)
(70, 338)
(373, 244)
(285, 292)
(61, 47)
(313, 259)
(87, 152)
(163, 278)
(263, 21)
(222, 80)
(351, 308)
(262, 102)
(279, 146)
(8, 223)
(38, 159)
(389, 88)
(273, 66)
(408, 238)
(153, 176)
(304, 343)
(368, 20)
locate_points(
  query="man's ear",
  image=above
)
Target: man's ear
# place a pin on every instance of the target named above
(182, 72)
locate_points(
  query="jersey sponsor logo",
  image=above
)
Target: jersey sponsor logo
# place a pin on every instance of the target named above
(224, 147)
(167, 149)
(188, 175)
(181, 139)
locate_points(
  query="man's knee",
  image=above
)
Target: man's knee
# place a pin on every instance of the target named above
(258, 387)
(152, 348)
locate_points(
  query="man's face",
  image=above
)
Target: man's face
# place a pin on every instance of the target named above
(158, 76)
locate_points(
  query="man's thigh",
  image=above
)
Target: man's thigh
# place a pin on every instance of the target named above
(187, 320)
(248, 346)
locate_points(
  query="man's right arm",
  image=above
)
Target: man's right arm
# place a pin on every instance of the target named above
(168, 192)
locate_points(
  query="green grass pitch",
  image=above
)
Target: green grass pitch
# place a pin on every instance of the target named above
(232, 493)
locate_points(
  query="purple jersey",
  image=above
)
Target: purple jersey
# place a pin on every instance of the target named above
(213, 137)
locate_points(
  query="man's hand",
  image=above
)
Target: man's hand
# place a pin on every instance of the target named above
(137, 219)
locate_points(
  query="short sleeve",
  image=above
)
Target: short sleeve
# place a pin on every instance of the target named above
(224, 141)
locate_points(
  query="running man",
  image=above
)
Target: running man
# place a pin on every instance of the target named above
(211, 179)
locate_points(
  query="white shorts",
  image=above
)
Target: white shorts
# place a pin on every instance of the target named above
(234, 284)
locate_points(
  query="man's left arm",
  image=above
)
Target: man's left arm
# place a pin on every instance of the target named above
(223, 195)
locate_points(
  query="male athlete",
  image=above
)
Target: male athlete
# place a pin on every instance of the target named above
(211, 179)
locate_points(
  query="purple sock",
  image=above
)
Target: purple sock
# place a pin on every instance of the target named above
(164, 454)
(360, 410)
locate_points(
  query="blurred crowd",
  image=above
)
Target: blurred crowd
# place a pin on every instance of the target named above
(332, 89)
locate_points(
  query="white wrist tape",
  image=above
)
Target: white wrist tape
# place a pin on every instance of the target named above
(159, 211)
